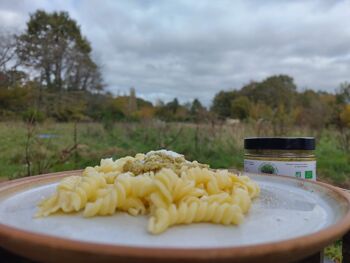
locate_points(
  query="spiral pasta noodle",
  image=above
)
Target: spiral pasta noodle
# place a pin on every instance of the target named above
(124, 194)
(201, 211)
(72, 194)
(162, 184)
(172, 188)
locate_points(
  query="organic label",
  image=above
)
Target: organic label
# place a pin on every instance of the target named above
(308, 174)
(305, 170)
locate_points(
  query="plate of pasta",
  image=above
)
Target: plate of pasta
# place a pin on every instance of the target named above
(160, 207)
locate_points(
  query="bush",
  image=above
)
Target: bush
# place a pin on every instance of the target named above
(34, 116)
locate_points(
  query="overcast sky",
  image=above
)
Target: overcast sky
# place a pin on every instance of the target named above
(192, 49)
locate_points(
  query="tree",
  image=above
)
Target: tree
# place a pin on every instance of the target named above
(16, 99)
(172, 111)
(315, 109)
(345, 116)
(197, 111)
(7, 49)
(260, 111)
(196, 107)
(12, 78)
(345, 127)
(222, 103)
(54, 47)
(343, 93)
(83, 73)
(241, 107)
(173, 105)
(280, 120)
(8, 76)
(132, 106)
(272, 91)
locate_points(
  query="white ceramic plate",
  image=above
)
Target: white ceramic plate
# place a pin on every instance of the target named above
(286, 209)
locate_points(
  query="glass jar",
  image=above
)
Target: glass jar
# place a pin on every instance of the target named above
(281, 156)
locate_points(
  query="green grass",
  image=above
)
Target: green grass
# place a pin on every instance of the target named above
(220, 146)
(333, 163)
(334, 252)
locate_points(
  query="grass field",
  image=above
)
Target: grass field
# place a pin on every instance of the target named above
(53, 147)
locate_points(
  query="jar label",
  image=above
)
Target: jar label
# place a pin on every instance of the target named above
(305, 170)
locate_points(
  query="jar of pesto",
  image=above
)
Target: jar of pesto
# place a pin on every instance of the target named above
(289, 156)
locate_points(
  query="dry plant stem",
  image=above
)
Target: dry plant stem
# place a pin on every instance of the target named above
(196, 138)
(345, 138)
(29, 135)
(27, 157)
(75, 137)
(175, 138)
(161, 136)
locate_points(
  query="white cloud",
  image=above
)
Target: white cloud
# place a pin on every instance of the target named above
(194, 49)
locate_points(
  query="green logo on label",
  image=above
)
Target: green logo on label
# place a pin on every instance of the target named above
(298, 174)
(308, 174)
(268, 168)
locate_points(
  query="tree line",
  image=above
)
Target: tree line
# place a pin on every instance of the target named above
(48, 72)
(277, 99)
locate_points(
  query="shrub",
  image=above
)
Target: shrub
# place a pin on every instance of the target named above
(34, 116)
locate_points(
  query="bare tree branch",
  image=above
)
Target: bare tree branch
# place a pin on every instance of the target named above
(7, 49)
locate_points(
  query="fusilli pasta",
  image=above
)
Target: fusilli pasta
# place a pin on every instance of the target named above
(200, 211)
(173, 192)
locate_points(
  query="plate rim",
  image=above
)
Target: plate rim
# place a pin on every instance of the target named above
(309, 243)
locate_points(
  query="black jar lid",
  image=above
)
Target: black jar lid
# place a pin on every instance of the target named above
(279, 143)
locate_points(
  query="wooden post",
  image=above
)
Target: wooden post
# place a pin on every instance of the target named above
(346, 247)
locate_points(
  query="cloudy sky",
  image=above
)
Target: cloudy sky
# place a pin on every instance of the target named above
(192, 49)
